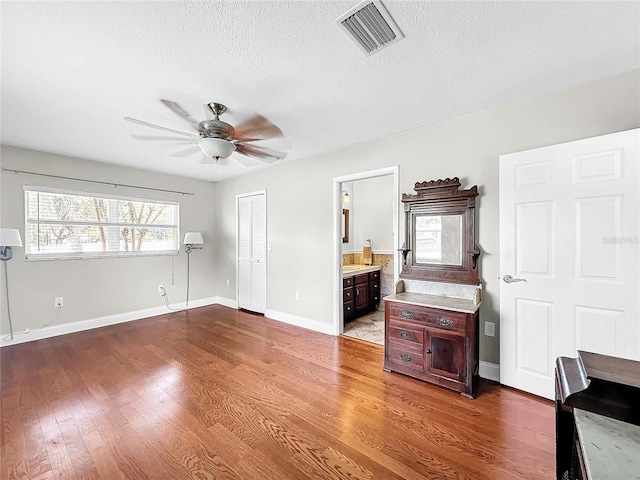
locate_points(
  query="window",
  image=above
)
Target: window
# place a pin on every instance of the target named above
(63, 224)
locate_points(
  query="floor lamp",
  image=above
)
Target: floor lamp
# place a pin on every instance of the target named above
(192, 241)
(9, 237)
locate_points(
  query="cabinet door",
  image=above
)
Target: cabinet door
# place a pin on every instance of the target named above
(445, 355)
(362, 296)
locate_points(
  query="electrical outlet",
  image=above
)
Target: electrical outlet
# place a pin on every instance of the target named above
(490, 329)
(161, 290)
(297, 295)
(228, 283)
(58, 302)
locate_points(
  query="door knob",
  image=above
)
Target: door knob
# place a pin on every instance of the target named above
(510, 279)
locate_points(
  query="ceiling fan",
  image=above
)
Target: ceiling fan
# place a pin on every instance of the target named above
(218, 139)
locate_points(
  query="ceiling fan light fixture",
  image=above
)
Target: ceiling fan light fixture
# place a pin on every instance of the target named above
(216, 147)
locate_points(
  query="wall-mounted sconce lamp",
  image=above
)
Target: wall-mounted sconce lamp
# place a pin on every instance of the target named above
(192, 241)
(9, 237)
(345, 197)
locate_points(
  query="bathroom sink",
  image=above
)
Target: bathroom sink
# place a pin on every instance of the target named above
(352, 268)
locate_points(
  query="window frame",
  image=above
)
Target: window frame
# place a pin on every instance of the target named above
(35, 256)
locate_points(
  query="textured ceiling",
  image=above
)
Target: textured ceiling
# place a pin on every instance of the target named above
(72, 70)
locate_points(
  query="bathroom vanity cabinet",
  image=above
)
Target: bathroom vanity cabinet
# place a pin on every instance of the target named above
(361, 292)
(427, 339)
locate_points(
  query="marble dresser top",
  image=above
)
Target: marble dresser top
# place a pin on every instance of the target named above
(435, 301)
(611, 447)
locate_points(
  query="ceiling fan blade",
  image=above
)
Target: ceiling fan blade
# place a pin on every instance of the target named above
(263, 154)
(246, 161)
(182, 113)
(256, 128)
(171, 139)
(186, 152)
(281, 144)
(159, 127)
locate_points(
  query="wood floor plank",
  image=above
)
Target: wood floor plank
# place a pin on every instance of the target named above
(225, 394)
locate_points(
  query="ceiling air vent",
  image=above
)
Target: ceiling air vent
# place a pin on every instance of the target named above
(370, 26)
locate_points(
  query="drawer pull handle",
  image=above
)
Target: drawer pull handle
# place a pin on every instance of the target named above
(428, 351)
(445, 322)
(405, 335)
(405, 357)
(405, 314)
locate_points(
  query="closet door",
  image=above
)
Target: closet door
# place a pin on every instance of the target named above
(252, 267)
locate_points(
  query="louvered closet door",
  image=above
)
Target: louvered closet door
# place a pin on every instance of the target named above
(252, 234)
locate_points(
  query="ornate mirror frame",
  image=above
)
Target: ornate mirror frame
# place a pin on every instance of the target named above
(440, 198)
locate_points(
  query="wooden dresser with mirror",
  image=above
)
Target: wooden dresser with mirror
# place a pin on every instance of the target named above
(431, 322)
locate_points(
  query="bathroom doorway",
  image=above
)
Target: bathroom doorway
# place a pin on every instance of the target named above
(370, 201)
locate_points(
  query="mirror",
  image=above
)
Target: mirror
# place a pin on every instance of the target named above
(345, 225)
(438, 239)
(440, 233)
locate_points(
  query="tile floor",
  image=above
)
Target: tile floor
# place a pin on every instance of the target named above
(369, 327)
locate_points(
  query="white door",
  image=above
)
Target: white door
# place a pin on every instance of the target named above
(252, 267)
(569, 257)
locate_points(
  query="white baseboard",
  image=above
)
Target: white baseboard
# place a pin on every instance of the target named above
(300, 322)
(227, 302)
(490, 371)
(65, 328)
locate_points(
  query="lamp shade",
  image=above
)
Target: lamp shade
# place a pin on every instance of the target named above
(10, 237)
(193, 238)
(216, 147)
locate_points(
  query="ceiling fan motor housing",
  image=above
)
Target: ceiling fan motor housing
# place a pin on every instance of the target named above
(216, 129)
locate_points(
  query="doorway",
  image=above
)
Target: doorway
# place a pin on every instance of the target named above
(356, 238)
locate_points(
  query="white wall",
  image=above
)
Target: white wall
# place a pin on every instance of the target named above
(301, 232)
(110, 287)
(348, 187)
(373, 214)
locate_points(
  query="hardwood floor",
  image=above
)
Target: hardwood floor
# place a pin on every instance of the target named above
(219, 393)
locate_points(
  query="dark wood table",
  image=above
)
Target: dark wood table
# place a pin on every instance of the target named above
(601, 384)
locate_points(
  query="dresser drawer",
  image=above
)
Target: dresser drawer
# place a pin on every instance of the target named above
(404, 360)
(374, 275)
(447, 320)
(374, 285)
(432, 317)
(405, 335)
(347, 282)
(362, 278)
